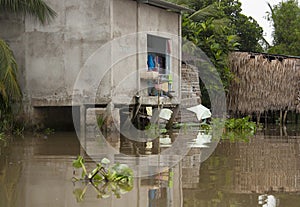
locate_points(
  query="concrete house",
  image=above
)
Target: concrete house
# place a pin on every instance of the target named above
(96, 52)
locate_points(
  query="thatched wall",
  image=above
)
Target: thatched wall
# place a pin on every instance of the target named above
(263, 82)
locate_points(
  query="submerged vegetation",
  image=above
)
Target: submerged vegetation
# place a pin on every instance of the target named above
(106, 179)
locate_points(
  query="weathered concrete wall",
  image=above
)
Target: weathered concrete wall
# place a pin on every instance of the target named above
(141, 19)
(55, 53)
(51, 56)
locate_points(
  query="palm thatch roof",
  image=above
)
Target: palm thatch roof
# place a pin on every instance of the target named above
(264, 82)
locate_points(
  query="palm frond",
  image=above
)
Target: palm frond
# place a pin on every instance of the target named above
(220, 24)
(3, 94)
(9, 86)
(35, 8)
(202, 14)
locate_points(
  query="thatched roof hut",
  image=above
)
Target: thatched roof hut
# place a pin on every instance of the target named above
(264, 82)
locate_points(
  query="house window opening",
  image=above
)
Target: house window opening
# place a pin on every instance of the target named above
(159, 66)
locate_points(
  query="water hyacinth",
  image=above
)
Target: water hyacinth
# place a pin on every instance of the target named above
(106, 178)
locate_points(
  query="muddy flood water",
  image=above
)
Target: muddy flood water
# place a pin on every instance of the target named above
(263, 171)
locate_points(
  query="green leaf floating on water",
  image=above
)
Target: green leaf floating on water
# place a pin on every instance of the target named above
(78, 162)
(106, 178)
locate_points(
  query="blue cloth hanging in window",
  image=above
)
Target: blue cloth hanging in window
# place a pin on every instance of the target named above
(151, 63)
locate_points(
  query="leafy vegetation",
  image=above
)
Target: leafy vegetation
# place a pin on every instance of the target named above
(49, 131)
(249, 33)
(239, 129)
(106, 179)
(35, 8)
(286, 21)
(240, 124)
(235, 129)
(9, 88)
(217, 28)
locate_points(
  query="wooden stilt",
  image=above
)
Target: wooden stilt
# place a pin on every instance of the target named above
(258, 118)
(280, 118)
(266, 119)
(284, 130)
(173, 117)
(284, 117)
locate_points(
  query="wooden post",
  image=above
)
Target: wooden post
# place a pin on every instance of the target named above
(284, 117)
(280, 118)
(135, 113)
(173, 117)
(258, 118)
(266, 119)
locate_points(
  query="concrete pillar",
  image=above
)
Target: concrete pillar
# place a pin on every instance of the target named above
(83, 125)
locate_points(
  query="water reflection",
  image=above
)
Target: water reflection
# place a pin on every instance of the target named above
(37, 172)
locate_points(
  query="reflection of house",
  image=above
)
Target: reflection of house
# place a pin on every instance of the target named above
(38, 172)
(52, 56)
(268, 165)
(237, 173)
(191, 168)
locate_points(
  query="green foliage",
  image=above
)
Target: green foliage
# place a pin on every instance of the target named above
(106, 179)
(9, 88)
(39, 130)
(250, 34)
(240, 124)
(36, 8)
(205, 127)
(248, 31)
(239, 129)
(79, 163)
(49, 131)
(10, 91)
(217, 28)
(19, 131)
(286, 21)
(10, 125)
(235, 129)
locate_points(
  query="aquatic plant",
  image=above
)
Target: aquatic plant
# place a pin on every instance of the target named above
(49, 131)
(106, 179)
(243, 124)
(235, 129)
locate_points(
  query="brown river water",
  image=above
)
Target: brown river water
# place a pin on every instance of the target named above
(265, 171)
